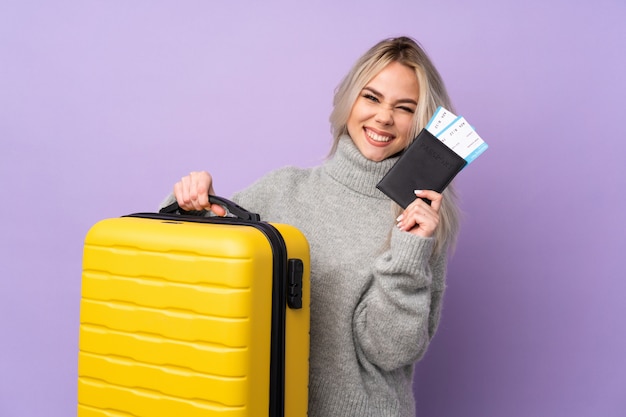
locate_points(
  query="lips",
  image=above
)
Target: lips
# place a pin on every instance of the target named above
(377, 137)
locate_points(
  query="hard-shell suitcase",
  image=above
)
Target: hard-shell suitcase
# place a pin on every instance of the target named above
(189, 316)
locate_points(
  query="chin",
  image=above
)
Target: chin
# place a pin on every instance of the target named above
(375, 157)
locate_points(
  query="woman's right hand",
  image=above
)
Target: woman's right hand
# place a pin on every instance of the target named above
(192, 193)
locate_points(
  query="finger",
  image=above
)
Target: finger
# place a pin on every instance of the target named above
(193, 189)
(434, 197)
(178, 193)
(184, 193)
(413, 217)
(419, 218)
(204, 189)
(198, 192)
(181, 191)
(219, 210)
(215, 208)
(421, 224)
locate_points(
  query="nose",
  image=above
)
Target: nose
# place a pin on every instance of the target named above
(384, 115)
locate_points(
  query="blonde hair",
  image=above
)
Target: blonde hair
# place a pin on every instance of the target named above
(432, 94)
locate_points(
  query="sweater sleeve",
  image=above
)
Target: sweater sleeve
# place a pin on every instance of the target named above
(399, 311)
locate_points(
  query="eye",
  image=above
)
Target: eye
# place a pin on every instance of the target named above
(407, 109)
(370, 97)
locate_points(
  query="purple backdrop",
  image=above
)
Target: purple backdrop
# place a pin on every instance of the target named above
(104, 105)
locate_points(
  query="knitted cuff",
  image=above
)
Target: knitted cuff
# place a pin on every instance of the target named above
(411, 251)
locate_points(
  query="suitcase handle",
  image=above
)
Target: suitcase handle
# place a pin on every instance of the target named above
(232, 209)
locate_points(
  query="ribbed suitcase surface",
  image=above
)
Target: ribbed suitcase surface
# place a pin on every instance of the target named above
(177, 320)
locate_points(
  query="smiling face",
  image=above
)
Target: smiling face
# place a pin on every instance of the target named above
(381, 118)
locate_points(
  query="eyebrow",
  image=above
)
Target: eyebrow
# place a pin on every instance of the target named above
(402, 100)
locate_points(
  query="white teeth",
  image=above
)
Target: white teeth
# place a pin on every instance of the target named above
(377, 137)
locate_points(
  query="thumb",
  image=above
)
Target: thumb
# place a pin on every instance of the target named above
(219, 210)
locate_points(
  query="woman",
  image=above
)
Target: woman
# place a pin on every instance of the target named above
(377, 272)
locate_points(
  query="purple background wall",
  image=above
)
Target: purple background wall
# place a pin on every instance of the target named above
(105, 104)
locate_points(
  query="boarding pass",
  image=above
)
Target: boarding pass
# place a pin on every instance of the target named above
(457, 134)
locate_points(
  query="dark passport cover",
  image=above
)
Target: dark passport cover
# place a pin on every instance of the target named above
(427, 164)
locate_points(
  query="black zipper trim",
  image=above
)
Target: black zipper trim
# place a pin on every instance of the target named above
(279, 297)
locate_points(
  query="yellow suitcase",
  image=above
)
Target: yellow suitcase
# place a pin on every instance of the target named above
(187, 316)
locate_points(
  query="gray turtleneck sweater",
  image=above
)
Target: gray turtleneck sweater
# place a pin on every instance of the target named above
(375, 290)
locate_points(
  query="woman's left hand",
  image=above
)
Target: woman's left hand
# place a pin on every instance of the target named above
(419, 218)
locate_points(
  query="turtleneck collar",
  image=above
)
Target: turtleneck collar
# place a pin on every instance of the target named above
(350, 168)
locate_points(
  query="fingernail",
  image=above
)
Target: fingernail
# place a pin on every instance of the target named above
(417, 191)
(400, 217)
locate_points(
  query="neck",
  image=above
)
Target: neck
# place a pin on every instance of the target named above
(349, 167)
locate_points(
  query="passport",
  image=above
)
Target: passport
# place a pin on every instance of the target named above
(426, 164)
(439, 152)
